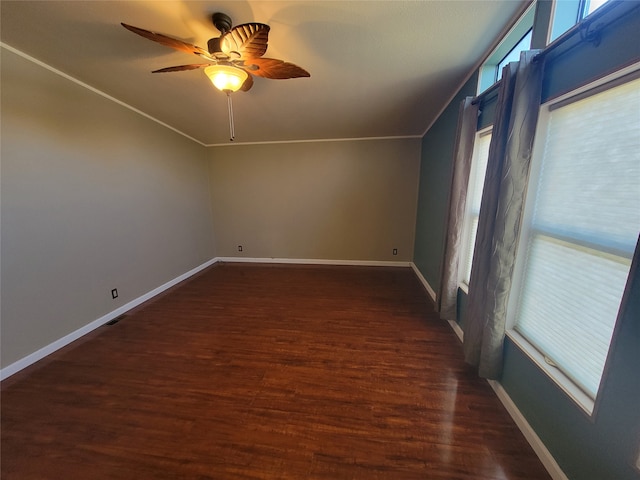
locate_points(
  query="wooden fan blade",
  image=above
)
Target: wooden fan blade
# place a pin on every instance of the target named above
(249, 40)
(167, 41)
(248, 83)
(182, 68)
(274, 68)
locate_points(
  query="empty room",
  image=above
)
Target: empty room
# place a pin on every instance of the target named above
(320, 239)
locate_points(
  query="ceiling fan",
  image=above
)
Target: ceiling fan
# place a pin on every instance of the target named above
(232, 59)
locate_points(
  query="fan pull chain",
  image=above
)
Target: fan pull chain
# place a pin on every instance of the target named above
(232, 129)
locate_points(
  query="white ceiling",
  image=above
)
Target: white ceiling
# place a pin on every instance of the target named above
(378, 68)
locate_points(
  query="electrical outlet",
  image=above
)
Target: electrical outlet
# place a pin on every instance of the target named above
(239, 248)
(395, 251)
(114, 293)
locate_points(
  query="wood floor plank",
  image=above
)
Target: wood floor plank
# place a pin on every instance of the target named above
(265, 372)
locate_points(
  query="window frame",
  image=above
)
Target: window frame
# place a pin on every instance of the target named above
(587, 404)
(516, 47)
(488, 73)
(463, 283)
(568, 13)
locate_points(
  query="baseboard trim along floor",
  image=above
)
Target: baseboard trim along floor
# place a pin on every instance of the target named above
(424, 282)
(538, 446)
(76, 334)
(521, 422)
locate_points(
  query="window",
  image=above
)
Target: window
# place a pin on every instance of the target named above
(580, 230)
(517, 40)
(589, 6)
(569, 12)
(474, 196)
(514, 54)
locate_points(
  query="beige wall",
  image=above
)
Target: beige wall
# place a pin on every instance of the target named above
(351, 200)
(94, 197)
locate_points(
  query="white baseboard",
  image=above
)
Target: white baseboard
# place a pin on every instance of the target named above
(457, 329)
(424, 282)
(529, 433)
(315, 261)
(539, 448)
(67, 339)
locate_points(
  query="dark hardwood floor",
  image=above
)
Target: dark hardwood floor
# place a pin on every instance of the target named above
(265, 372)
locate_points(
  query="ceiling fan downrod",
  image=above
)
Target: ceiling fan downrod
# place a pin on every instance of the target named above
(222, 22)
(232, 129)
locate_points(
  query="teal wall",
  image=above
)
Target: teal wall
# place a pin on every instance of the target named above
(435, 181)
(601, 448)
(577, 63)
(605, 446)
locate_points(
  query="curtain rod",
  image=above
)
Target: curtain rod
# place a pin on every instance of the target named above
(583, 29)
(486, 93)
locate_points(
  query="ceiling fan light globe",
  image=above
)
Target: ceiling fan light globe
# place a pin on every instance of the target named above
(226, 78)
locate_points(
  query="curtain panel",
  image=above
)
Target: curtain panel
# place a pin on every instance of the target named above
(467, 125)
(501, 213)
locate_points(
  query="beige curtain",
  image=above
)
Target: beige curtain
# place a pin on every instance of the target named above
(500, 214)
(467, 126)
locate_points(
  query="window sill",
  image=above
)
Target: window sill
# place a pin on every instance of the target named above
(565, 384)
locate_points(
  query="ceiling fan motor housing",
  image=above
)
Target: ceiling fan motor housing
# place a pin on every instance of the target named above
(213, 45)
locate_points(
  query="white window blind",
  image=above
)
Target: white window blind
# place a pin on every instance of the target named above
(583, 230)
(474, 197)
